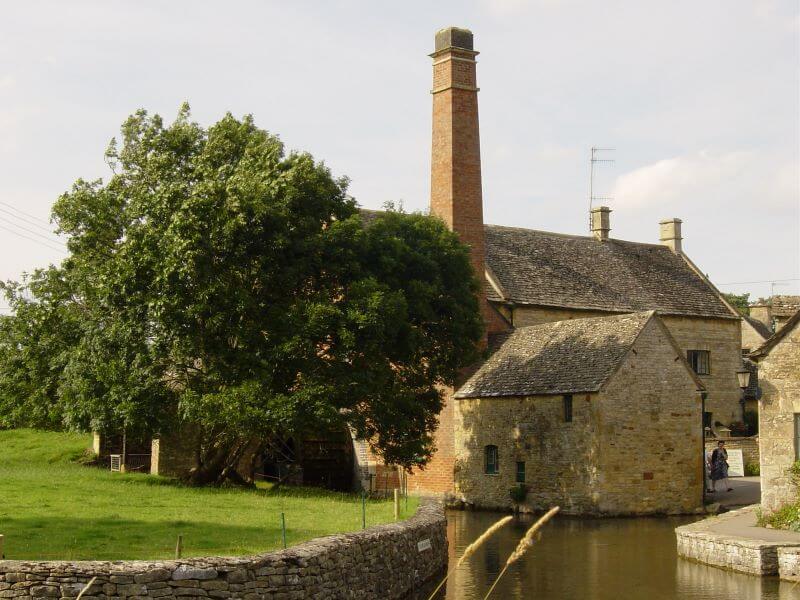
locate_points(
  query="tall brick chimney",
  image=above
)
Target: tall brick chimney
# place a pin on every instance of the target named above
(456, 195)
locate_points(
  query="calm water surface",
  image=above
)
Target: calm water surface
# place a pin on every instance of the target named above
(594, 559)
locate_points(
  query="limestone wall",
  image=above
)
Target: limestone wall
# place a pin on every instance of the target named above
(173, 455)
(651, 447)
(536, 315)
(387, 561)
(708, 542)
(722, 337)
(751, 339)
(699, 542)
(633, 448)
(779, 378)
(559, 457)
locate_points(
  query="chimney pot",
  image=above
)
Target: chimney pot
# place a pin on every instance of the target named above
(671, 234)
(601, 222)
(453, 37)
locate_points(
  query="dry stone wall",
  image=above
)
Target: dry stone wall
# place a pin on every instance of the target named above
(387, 561)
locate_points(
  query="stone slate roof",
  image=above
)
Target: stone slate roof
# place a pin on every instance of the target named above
(785, 306)
(550, 269)
(760, 327)
(563, 357)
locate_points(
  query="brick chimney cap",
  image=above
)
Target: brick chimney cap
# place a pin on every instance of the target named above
(453, 37)
(673, 220)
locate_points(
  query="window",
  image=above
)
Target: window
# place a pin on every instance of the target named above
(567, 408)
(520, 475)
(797, 436)
(706, 419)
(700, 361)
(491, 465)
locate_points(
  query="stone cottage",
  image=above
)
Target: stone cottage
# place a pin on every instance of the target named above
(536, 277)
(754, 334)
(600, 415)
(775, 312)
(779, 413)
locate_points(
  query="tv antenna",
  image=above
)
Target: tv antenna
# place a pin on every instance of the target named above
(597, 157)
(772, 286)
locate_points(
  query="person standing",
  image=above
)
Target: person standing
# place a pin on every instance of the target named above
(719, 466)
(707, 471)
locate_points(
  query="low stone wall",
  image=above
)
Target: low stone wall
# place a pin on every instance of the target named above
(789, 563)
(387, 561)
(697, 541)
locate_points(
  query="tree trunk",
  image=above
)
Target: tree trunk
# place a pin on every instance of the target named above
(218, 462)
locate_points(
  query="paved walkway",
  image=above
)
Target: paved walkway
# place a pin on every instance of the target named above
(746, 491)
(743, 524)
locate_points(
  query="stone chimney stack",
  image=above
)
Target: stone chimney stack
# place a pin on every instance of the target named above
(456, 195)
(601, 222)
(671, 234)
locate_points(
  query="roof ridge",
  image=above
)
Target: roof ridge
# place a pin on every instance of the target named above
(574, 235)
(636, 313)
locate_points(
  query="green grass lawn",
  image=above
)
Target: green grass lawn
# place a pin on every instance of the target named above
(53, 508)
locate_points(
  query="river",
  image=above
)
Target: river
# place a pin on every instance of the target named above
(594, 559)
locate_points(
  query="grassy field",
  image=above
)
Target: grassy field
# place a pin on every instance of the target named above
(53, 508)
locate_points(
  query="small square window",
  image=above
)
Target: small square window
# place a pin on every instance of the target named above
(491, 466)
(567, 408)
(520, 474)
(700, 361)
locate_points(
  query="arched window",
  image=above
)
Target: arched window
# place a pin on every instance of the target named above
(491, 464)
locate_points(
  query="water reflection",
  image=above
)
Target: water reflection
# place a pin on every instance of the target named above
(594, 559)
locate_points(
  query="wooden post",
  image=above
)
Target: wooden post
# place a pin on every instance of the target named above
(396, 504)
(2, 550)
(363, 509)
(283, 528)
(179, 546)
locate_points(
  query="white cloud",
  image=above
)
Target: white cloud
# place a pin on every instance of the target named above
(741, 178)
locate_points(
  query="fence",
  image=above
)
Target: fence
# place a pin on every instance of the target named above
(139, 463)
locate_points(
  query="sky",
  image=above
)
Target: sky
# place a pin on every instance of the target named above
(699, 100)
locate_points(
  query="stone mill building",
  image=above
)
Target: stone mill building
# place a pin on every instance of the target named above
(608, 357)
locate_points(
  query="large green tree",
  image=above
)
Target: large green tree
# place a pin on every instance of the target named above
(217, 282)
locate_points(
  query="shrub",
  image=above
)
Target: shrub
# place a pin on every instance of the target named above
(786, 517)
(518, 493)
(752, 469)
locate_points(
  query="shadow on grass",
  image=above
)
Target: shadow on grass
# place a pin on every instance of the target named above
(265, 490)
(57, 538)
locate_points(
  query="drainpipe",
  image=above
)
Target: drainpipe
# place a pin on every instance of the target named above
(703, 396)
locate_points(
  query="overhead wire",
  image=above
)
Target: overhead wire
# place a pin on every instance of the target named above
(48, 244)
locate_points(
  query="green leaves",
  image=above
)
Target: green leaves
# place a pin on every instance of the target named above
(216, 280)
